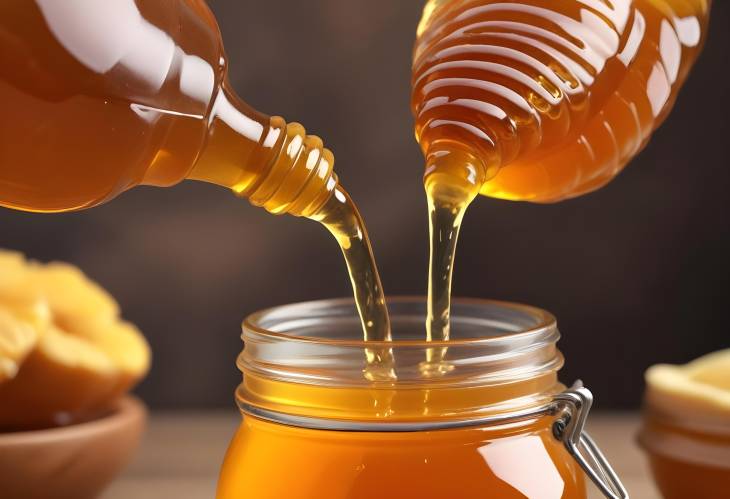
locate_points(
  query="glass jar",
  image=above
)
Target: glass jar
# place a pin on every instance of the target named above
(685, 428)
(494, 421)
(687, 459)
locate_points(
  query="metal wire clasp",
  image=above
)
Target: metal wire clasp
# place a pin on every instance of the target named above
(570, 408)
(573, 407)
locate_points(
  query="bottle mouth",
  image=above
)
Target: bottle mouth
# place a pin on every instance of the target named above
(320, 342)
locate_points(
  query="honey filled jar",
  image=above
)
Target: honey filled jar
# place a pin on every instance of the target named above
(686, 427)
(497, 423)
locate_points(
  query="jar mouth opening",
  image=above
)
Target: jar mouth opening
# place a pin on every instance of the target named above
(310, 359)
(474, 322)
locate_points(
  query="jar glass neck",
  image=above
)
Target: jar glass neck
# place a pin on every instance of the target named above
(307, 360)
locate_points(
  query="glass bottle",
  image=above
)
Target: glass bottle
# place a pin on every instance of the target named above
(99, 97)
(498, 424)
(544, 100)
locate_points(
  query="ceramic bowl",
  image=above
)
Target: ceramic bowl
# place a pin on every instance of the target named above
(71, 462)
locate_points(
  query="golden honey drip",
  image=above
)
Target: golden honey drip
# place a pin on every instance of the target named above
(342, 219)
(445, 218)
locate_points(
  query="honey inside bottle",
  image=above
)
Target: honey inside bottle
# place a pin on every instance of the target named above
(538, 100)
(99, 97)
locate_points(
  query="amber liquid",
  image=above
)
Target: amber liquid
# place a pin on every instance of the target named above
(538, 100)
(470, 463)
(89, 113)
(692, 463)
(679, 480)
(446, 215)
(342, 219)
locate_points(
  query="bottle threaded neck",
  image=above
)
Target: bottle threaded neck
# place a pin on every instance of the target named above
(454, 174)
(298, 178)
(274, 165)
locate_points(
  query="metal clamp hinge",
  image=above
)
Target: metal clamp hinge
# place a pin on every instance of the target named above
(572, 410)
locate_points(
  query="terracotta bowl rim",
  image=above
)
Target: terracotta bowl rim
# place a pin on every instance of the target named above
(126, 411)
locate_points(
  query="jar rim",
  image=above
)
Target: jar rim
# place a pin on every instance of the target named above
(308, 359)
(320, 342)
(545, 324)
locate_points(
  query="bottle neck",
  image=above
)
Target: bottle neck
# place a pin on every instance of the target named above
(454, 174)
(273, 164)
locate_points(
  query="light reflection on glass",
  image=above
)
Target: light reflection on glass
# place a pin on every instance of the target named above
(524, 463)
(114, 36)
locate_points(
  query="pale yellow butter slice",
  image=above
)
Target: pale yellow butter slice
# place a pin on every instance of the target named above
(699, 390)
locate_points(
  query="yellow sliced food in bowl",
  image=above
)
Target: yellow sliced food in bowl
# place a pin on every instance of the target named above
(16, 291)
(12, 268)
(82, 308)
(63, 379)
(712, 370)
(700, 389)
(65, 353)
(72, 296)
(128, 350)
(17, 339)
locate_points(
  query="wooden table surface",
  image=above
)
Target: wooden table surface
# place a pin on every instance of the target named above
(181, 454)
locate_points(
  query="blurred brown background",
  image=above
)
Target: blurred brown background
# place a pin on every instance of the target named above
(636, 273)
